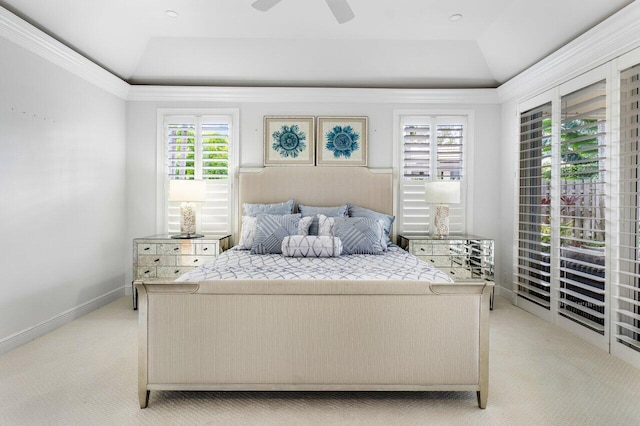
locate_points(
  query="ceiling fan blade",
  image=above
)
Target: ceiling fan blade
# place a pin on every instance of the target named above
(341, 10)
(264, 5)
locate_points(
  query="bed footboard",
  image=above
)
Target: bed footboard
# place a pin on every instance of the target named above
(313, 335)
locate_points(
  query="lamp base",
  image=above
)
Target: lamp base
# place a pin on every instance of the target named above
(187, 236)
(441, 220)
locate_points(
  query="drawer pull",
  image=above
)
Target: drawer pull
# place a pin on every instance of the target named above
(452, 273)
(421, 249)
(177, 271)
(432, 261)
(157, 260)
(146, 248)
(205, 249)
(175, 249)
(147, 271)
(195, 261)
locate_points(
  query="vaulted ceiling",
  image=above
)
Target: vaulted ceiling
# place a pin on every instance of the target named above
(389, 43)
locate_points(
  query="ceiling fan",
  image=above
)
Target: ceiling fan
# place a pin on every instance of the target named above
(339, 8)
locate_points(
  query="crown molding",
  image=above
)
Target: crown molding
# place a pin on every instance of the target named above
(312, 94)
(606, 41)
(29, 37)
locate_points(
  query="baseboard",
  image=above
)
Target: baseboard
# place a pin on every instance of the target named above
(25, 336)
(505, 292)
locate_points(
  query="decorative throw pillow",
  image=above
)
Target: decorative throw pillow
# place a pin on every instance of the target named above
(248, 232)
(304, 225)
(326, 226)
(337, 211)
(276, 208)
(357, 211)
(271, 230)
(311, 246)
(360, 235)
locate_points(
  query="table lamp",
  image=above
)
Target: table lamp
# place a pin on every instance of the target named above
(188, 192)
(442, 193)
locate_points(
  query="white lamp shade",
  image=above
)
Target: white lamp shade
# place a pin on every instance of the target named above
(442, 192)
(187, 190)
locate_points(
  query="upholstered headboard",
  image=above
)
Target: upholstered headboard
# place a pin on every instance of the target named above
(318, 186)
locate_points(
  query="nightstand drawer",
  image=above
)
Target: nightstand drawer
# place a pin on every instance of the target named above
(146, 249)
(173, 272)
(146, 272)
(208, 248)
(421, 249)
(158, 260)
(437, 261)
(176, 248)
(457, 273)
(195, 260)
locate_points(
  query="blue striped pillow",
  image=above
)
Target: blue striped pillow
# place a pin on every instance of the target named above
(360, 235)
(271, 230)
(357, 211)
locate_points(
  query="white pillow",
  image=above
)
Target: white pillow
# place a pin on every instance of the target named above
(250, 223)
(248, 232)
(311, 246)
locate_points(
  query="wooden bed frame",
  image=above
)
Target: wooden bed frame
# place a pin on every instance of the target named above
(314, 335)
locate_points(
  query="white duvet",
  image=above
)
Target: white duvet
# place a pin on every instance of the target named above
(395, 264)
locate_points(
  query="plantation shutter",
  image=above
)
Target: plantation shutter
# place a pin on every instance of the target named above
(199, 147)
(582, 207)
(533, 276)
(627, 289)
(432, 148)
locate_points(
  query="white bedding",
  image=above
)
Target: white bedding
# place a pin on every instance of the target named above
(394, 264)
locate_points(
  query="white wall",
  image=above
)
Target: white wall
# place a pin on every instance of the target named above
(62, 192)
(142, 143)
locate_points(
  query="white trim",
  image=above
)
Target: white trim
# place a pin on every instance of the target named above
(612, 38)
(20, 338)
(312, 95)
(29, 37)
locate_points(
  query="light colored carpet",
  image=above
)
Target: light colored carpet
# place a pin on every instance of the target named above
(85, 374)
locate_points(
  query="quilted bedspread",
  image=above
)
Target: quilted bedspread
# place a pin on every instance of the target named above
(394, 264)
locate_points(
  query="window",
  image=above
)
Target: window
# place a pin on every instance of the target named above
(627, 293)
(533, 276)
(582, 207)
(201, 146)
(432, 147)
(562, 207)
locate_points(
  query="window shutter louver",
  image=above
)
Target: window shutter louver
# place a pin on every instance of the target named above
(181, 150)
(582, 207)
(534, 226)
(627, 288)
(205, 153)
(432, 148)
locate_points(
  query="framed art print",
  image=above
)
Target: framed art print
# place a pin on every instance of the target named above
(289, 140)
(342, 141)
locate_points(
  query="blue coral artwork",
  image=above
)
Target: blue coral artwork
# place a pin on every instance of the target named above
(342, 141)
(289, 140)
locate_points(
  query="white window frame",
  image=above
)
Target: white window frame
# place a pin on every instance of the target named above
(162, 187)
(467, 188)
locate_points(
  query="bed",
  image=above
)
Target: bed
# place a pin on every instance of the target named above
(314, 332)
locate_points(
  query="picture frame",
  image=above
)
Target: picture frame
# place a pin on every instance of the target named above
(289, 140)
(342, 141)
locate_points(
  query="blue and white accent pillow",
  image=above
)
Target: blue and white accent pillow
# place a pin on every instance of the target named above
(327, 226)
(271, 230)
(311, 246)
(360, 235)
(283, 208)
(337, 211)
(249, 225)
(357, 211)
